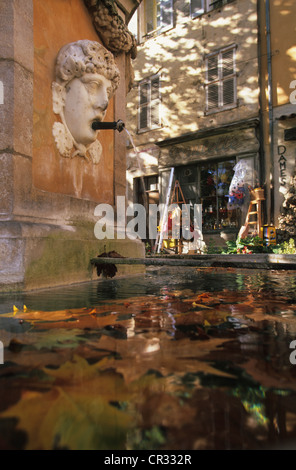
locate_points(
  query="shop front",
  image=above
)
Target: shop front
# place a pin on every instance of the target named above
(205, 168)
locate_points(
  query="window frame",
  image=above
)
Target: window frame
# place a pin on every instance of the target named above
(157, 19)
(220, 80)
(208, 6)
(149, 104)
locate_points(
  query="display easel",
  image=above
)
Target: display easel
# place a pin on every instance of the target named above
(159, 239)
(177, 197)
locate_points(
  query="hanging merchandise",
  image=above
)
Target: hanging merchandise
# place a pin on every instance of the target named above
(240, 186)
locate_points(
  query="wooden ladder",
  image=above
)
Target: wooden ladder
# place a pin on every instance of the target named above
(255, 209)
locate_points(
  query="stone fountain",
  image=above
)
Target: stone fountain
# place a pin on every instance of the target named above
(65, 68)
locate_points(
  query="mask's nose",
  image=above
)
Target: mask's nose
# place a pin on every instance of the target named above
(101, 100)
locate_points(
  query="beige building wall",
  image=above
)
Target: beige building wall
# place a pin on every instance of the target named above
(178, 55)
(278, 110)
(188, 133)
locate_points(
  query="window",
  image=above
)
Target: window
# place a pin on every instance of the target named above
(151, 189)
(158, 15)
(198, 7)
(208, 184)
(149, 104)
(215, 179)
(221, 80)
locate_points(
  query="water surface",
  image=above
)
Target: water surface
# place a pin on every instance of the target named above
(175, 359)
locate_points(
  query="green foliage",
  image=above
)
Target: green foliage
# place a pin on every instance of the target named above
(256, 245)
(247, 245)
(212, 249)
(287, 248)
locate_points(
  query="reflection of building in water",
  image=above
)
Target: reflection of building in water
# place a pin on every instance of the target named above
(196, 103)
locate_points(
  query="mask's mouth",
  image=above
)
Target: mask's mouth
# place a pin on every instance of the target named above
(95, 125)
(117, 125)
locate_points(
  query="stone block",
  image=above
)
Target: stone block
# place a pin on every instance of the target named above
(7, 107)
(23, 110)
(6, 29)
(11, 256)
(6, 185)
(23, 34)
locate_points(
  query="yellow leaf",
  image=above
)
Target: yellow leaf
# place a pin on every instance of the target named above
(206, 323)
(194, 304)
(15, 309)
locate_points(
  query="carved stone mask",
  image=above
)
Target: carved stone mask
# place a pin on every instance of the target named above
(86, 78)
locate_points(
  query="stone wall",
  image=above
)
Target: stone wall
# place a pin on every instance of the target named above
(47, 202)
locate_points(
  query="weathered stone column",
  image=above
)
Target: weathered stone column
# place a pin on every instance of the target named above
(16, 122)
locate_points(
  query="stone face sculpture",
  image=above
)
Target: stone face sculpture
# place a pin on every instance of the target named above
(86, 78)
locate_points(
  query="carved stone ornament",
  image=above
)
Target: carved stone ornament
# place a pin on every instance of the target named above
(86, 79)
(111, 27)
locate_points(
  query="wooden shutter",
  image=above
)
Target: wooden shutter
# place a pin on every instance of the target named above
(155, 102)
(213, 96)
(221, 79)
(212, 68)
(228, 77)
(143, 107)
(212, 88)
(149, 104)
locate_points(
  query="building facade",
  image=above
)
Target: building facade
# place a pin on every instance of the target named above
(278, 98)
(198, 106)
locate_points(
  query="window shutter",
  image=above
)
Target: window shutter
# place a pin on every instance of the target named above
(144, 87)
(227, 63)
(149, 104)
(166, 14)
(212, 69)
(212, 96)
(155, 102)
(143, 117)
(143, 109)
(220, 79)
(155, 115)
(228, 70)
(228, 91)
(155, 88)
(196, 8)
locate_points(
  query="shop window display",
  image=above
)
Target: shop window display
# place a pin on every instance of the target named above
(214, 190)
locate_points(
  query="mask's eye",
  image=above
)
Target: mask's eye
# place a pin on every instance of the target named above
(92, 87)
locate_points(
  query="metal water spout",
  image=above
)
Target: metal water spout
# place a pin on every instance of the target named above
(116, 125)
